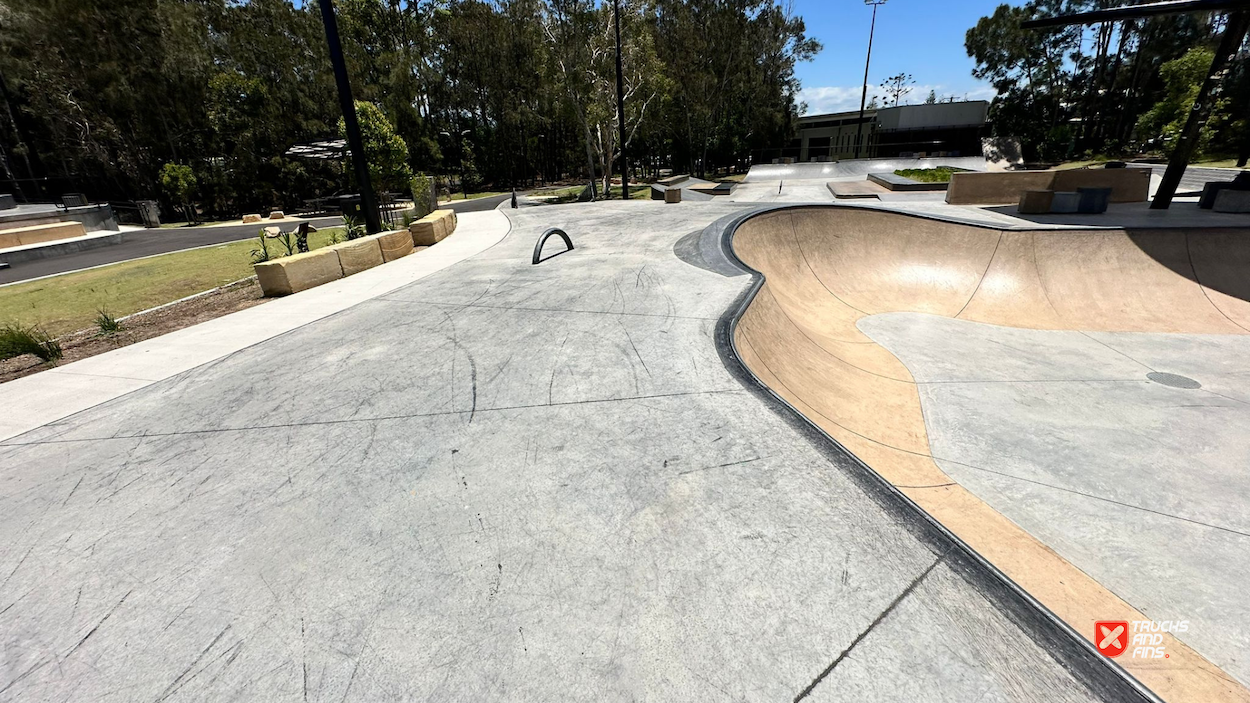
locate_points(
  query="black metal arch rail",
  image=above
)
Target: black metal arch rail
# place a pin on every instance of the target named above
(538, 247)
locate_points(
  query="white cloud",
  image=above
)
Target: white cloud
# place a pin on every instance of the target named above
(825, 99)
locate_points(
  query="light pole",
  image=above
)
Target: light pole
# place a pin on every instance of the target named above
(620, 102)
(542, 158)
(464, 185)
(368, 200)
(863, 98)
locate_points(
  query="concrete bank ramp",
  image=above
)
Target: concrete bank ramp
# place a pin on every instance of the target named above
(827, 271)
(855, 168)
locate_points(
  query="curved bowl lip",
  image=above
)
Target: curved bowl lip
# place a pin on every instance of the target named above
(1104, 676)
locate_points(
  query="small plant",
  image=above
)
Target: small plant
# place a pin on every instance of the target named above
(16, 340)
(261, 255)
(336, 235)
(289, 241)
(354, 228)
(108, 324)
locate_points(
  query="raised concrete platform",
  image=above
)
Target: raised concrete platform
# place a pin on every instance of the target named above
(856, 169)
(503, 482)
(1104, 492)
(40, 234)
(60, 247)
(856, 190)
(897, 183)
(91, 217)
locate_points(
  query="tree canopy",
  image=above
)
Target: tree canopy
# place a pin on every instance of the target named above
(1113, 87)
(100, 94)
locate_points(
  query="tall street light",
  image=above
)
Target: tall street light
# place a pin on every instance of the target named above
(620, 101)
(863, 98)
(368, 199)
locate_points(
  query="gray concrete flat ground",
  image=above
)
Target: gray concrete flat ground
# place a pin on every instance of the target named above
(1139, 484)
(503, 482)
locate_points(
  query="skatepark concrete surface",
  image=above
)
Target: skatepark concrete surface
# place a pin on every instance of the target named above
(1072, 403)
(856, 169)
(501, 482)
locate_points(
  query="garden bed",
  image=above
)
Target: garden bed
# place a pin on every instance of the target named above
(236, 296)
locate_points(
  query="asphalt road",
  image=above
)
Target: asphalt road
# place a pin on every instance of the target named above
(163, 241)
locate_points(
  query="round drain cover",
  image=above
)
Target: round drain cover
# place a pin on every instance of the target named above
(1173, 380)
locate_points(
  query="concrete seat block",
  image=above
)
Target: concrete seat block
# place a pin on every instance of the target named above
(672, 195)
(277, 215)
(422, 232)
(35, 234)
(249, 219)
(433, 228)
(395, 244)
(1065, 202)
(1035, 202)
(292, 274)
(356, 255)
(1230, 200)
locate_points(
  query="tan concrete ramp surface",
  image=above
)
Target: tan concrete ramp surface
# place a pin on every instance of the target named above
(825, 268)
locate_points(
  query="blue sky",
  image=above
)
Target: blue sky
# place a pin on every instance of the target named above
(922, 37)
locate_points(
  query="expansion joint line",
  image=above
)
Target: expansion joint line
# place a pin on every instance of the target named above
(884, 614)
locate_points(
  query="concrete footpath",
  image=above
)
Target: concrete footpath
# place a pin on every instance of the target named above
(501, 482)
(61, 391)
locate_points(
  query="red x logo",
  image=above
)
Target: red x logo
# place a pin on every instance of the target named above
(1111, 637)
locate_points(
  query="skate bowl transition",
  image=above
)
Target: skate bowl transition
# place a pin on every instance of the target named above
(1030, 391)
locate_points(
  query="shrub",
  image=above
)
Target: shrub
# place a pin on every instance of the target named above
(422, 196)
(16, 340)
(106, 322)
(353, 226)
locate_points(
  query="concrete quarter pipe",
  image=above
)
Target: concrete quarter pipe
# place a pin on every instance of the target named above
(816, 332)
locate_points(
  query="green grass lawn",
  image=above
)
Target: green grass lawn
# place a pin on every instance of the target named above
(70, 302)
(941, 174)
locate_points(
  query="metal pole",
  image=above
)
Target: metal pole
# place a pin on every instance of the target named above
(620, 101)
(368, 199)
(863, 98)
(464, 183)
(1234, 31)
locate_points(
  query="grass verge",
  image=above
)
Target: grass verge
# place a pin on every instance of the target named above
(72, 301)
